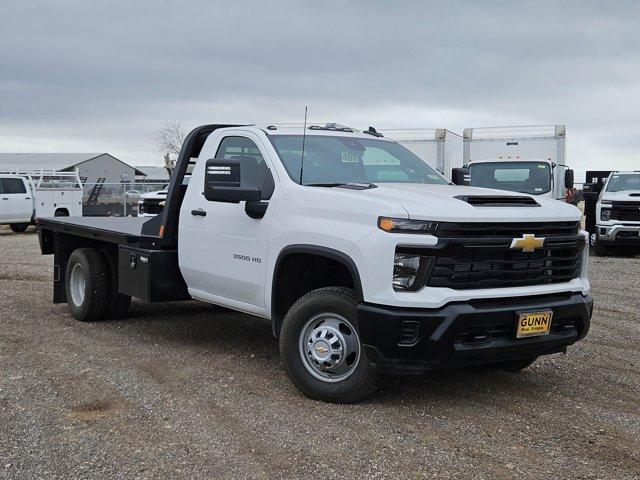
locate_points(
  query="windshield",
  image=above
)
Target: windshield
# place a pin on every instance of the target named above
(621, 182)
(525, 177)
(339, 160)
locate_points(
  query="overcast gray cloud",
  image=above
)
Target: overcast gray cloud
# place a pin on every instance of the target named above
(102, 76)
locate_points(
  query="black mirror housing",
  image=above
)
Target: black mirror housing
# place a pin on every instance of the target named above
(461, 176)
(222, 182)
(568, 178)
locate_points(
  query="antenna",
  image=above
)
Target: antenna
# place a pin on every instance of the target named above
(304, 136)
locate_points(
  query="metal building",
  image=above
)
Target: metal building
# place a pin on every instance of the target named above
(92, 167)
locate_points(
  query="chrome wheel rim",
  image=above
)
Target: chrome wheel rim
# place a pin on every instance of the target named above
(329, 347)
(78, 284)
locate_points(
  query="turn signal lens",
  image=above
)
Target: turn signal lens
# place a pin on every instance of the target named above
(404, 225)
(385, 224)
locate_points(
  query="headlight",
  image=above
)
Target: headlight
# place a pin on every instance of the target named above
(410, 271)
(404, 225)
(605, 214)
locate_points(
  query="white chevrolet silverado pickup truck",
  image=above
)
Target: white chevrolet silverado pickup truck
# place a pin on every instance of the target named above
(365, 259)
(618, 214)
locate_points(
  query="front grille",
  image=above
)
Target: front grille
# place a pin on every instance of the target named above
(151, 206)
(625, 211)
(479, 256)
(507, 230)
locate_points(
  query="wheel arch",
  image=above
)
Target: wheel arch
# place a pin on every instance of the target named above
(311, 252)
(64, 211)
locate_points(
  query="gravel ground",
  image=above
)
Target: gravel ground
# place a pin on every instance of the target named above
(178, 390)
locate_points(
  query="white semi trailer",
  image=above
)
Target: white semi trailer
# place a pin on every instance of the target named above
(526, 159)
(440, 148)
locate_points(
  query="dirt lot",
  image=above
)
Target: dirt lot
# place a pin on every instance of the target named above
(178, 390)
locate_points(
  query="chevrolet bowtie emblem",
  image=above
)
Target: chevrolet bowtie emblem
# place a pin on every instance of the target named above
(528, 243)
(321, 349)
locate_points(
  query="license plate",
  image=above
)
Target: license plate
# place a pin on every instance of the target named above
(534, 324)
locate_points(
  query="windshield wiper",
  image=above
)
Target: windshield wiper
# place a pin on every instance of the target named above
(350, 185)
(323, 184)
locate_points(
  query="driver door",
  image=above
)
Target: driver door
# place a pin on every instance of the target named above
(228, 249)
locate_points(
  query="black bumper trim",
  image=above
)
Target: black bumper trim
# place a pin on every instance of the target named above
(469, 333)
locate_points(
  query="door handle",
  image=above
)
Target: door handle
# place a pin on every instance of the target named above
(199, 213)
(5, 198)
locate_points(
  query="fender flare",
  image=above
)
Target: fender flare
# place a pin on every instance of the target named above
(321, 251)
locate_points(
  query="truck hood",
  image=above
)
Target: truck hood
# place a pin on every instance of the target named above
(626, 195)
(439, 202)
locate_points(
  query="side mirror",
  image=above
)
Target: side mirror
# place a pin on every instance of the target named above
(461, 176)
(568, 178)
(222, 182)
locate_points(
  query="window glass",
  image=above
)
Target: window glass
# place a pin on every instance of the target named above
(13, 185)
(519, 176)
(253, 169)
(624, 181)
(339, 160)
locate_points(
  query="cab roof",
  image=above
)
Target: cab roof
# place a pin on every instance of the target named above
(328, 129)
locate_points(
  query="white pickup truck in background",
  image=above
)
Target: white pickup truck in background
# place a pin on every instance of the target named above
(152, 203)
(27, 195)
(618, 214)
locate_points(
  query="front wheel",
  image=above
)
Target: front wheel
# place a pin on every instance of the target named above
(19, 227)
(321, 348)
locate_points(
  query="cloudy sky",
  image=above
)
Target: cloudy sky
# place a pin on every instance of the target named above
(85, 76)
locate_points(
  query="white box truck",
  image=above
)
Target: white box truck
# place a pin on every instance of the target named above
(440, 148)
(525, 159)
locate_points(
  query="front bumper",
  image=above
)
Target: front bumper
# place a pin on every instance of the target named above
(619, 234)
(477, 332)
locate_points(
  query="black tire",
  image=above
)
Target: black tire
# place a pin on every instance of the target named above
(514, 366)
(92, 267)
(600, 249)
(360, 383)
(117, 303)
(60, 213)
(19, 227)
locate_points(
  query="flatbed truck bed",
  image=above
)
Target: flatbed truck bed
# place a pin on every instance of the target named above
(117, 230)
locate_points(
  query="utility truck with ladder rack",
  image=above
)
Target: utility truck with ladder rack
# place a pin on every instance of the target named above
(365, 260)
(25, 195)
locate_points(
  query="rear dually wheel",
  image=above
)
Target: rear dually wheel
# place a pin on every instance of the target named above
(86, 284)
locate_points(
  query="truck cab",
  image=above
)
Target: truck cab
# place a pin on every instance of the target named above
(526, 159)
(365, 260)
(618, 213)
(16, 202)
(530, 176)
